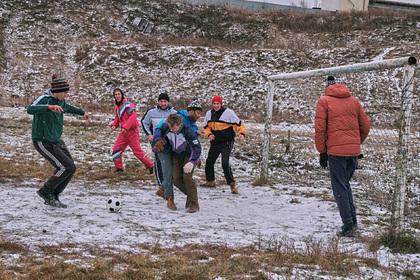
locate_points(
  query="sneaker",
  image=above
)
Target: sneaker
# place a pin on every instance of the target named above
(233, 188)
(209, 184)
(58, 202)
(48, 197)
(160, 193)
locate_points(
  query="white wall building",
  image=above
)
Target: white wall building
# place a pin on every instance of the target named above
(327, 5)
(408, 3)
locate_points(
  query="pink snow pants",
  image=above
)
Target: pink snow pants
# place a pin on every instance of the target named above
(131, 138)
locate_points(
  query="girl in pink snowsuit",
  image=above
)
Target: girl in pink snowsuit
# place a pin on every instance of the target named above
(126, 118)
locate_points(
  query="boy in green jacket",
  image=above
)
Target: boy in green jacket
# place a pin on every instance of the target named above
(47, 127)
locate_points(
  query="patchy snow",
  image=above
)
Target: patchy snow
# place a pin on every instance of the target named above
(9, 259)
(258, 213)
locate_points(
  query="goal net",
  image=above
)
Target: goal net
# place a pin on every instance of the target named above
(389, 97)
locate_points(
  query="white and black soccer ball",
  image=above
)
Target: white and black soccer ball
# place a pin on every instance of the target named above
(114, 204)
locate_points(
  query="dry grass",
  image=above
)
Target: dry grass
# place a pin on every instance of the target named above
(337, 22)
(7, 246)
(189, 262)
(12, 169)
(134, 171)
(404, 243)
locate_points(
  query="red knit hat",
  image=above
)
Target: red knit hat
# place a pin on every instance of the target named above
(217, 98)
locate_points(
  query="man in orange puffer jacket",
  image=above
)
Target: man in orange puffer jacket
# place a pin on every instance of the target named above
(341, 126)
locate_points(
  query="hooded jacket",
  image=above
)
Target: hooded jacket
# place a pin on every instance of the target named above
(341, 124)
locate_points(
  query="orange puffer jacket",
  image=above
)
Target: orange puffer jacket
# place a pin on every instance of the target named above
(341, 124)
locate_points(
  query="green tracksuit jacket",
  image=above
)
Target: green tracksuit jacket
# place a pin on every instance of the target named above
(48, 125)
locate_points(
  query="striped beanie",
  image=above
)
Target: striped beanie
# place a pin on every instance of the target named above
(59, 84)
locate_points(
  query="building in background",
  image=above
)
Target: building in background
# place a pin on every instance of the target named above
(326, 5)
(311, 5)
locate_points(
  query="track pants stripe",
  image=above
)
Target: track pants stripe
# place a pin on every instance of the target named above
(53, 158)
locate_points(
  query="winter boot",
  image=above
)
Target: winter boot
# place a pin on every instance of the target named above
(355, 226)
(209, 184)
(47, 196)
(233, 188)
(187, 203)
(347, 230)
(194, 207)
(58, 202)
(160, 192)
(170, 203)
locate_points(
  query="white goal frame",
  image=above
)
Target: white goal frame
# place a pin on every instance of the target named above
(410, 65)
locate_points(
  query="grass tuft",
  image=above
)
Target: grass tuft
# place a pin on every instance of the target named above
(404, 243)
(7, 246)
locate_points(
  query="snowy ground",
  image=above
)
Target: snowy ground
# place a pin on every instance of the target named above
(256, 213)
(288, 209)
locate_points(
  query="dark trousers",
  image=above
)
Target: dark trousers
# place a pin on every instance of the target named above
(341, 171)
(59, 157)
(158, 170)
(217, 148)
(184, 181)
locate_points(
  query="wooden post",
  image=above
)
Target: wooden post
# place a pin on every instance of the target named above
(267, 134)
(398, 202)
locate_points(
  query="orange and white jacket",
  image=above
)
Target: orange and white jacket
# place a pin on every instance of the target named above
(223, 124)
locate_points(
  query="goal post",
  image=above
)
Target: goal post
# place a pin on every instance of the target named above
(404, 129)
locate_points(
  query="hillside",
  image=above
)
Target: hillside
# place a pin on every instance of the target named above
(285, 229)
(191, 52)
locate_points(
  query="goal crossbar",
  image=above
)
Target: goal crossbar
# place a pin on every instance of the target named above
(358, 67)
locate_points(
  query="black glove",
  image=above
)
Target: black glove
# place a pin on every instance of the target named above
(323, 160)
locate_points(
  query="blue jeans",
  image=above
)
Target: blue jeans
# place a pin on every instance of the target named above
(166, 163)
(341, 171)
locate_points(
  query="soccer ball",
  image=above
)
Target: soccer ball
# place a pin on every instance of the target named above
(113, 204)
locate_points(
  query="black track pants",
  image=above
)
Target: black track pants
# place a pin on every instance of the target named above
(59, 156)
(217, 148)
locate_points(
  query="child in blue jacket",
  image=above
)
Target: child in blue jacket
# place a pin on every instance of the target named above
(179, 152)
